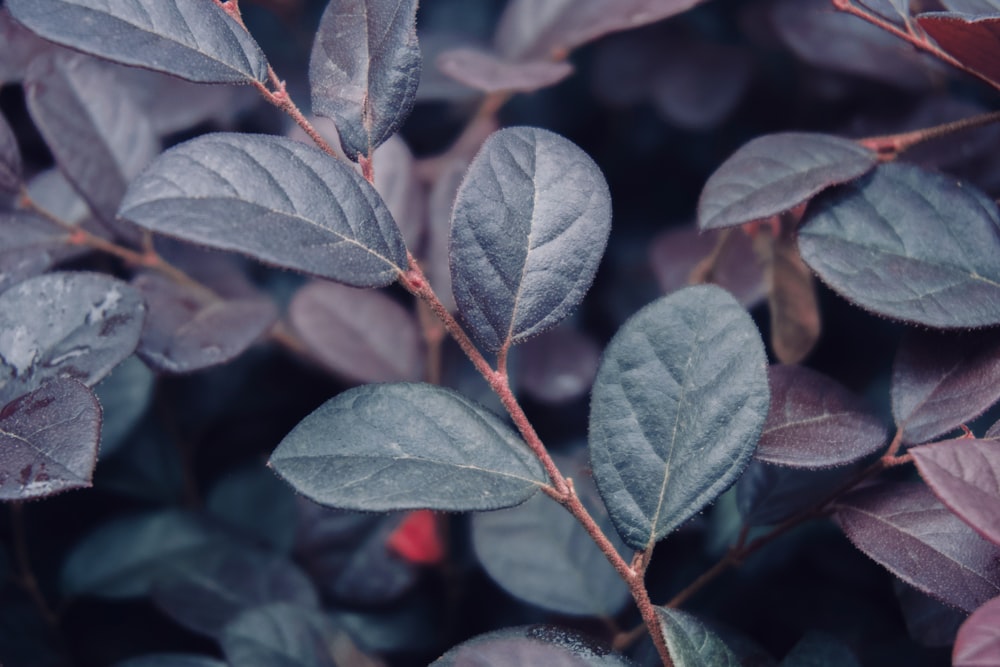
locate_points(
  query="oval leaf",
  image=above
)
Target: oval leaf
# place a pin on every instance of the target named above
(78, 325)
(942, 380)
(905, 528)
(890, 244)
(192, 39)
(529, 227)
(677, 407)
(978, 640)
(530, 645)
(281, 635)
(48, 440)
(965, 475)
(407, 446)
(777, 172)
(484, 71)
(10, 159)
(815, 422)
(691, 644)
(275, 200)
(972, 40)
(364, 70)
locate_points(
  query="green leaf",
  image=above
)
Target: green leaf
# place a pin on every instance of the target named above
(690, 643)
(407, 446)
(280, 635)
(678, 405)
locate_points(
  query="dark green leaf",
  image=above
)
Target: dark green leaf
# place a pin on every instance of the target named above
(274, 199)
(690, 643)
(677, 407)
(407, 446)
(909, 244)
(817, 649)
(192, 39)
(530, 645)
(124, 396)
(254, 501)
(364, 70)
(529, 227)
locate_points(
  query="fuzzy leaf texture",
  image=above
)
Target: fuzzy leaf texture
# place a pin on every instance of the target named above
(407, 446)
(678, 405)
(888, 243)
(978, 640)
(529, 227)
(191, 39)
(530, 645)
(690, 643)
(274, 199)
(364, 70)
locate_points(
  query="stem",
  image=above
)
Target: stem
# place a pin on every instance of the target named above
(28, 579)
(280, 98)
(890, 145)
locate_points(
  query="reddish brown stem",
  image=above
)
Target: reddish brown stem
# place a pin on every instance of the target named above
(890, 145)
(280, 98)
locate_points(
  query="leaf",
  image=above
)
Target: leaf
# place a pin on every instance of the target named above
(815, 422)
(529, 227)
(192, 39)
(407, 446)
(690, 643)
(10, 159)
(487, 72)
(51, 191)
(928, 622)
(18, 46)
(558, 366)
(972, 6)
(125, 556)
(677, 407)
(284, 635)
(972, 40)
(275, 200)
(228, 583)
(888, 244)
(258, 504)
(48, 441)
(125, 396)
(29, 245)
(818, 649)
(440, 202)
(171, 660)
(531, 30)
(188, 330)
(77, 325)
(978, 640)
(396, 182)
(364, 70)
(148, 467)
(539, 553)
(530, 645)
(965, 475)
(768, 494)
(364, 335)
(942, 380)
(100, 138)
(777, 172)
(795, 319)
(904, 528)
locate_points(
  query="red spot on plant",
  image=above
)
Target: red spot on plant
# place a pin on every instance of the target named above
(418, 539)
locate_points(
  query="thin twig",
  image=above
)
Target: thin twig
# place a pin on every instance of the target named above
(890, 145)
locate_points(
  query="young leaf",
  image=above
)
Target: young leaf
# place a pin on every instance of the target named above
(364, 70)
(275, 200)
(407, 446)
(530, 645)
(978, 641)
(942, 380)
(777, 172)
(362, 334)
(970, 39)
(488, 73)
(677, 407)
(903, 527)
(965, 475)
(100, 138)
(10, 159)
(818, 649)
(192, 39)
(78, 325)
(691, 644)
(888, 244)
(281, 635)
(48, 440)
(815, 422)
(529, 227)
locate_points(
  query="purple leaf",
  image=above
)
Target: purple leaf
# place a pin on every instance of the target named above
(533, 30)
(362, 334)
(364, 70)
(887, 243)
(777, 172)
(489, 73)
(529, 227)
(676, 253)
(972, 40)
(795, 323)
(906, 529)
(978, 640)
(530, 645)
(965, 475)
(10, 159)
(275, 200)
(187, 329)
(101, 139)
(942, 380)
(558, 366)
(48, 440)
(192, 39)
(814, 422)
(78, 325)
(18, 46)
